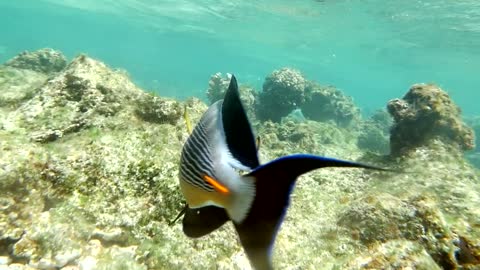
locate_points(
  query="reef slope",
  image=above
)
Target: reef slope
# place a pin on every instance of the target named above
(88, 180)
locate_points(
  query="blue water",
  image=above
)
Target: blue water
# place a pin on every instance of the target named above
(371, 49)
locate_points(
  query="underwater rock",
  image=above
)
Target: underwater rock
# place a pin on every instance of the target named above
(158, 110)
(289, 136)
(396, 254)
(217, 85)
(380, 218)
(84, 94)
(283, 91)
(46, 61)
(18, 85)
(374, 133)
(328, 103)
(383, 217)
(424, 113)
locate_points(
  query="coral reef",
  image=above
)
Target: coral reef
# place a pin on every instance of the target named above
(283, 91)
(217, 85)
(88, 180)
(328, 103)
(45, 61)
(424, 113)
(286, 90)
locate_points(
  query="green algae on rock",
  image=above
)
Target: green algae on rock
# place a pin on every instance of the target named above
(424, 113)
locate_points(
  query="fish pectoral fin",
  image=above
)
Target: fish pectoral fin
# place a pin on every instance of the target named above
(204, 220)
(171, 223)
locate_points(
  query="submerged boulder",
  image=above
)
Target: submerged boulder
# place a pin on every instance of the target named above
(158, 110)
(424, 113)
(46, 61)
(329, 103)
(82, 95)
(283, 91)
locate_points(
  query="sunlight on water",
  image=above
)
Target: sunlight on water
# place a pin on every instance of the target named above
(374, 50)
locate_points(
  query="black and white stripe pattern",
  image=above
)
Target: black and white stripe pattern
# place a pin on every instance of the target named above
(196, 159)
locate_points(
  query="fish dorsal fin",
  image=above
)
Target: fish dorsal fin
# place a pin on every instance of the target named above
(237, 129)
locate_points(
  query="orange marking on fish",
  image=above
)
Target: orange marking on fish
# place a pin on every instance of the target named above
(219, 187)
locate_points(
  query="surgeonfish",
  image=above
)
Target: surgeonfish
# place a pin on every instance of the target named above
(219, 149)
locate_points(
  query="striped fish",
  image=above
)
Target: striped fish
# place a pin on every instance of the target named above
(209, 164)
(220, 146)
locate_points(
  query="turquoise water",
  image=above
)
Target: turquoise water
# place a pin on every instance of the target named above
(372, 49)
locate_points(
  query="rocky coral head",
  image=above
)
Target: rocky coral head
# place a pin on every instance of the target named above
(46, 61)
(425, 113)
(325, 103)
(217, 85)
(283, 91)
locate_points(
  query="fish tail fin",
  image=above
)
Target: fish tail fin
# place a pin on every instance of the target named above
(274, 183)
(242, 199)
